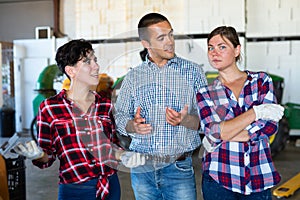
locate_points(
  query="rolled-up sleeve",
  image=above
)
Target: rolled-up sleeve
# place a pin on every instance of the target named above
(260, 128)
(211, 116)
(45, 135)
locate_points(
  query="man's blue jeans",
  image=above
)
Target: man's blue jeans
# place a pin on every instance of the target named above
(214, 191)
(164, 181)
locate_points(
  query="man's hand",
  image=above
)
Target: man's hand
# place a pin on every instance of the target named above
(137, 125)
(182, 118)
(175, 118)
(132, 159)
(30, 150)
(272, 112)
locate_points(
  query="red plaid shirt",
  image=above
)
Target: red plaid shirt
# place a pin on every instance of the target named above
(83, 142)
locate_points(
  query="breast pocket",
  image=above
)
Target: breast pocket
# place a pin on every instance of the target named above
(65, 128)
(106, 125)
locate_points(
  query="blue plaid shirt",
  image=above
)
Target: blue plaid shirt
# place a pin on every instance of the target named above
(154, 88)
(242, 167)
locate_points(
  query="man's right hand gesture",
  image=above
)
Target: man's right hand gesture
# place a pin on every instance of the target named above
(137, 125)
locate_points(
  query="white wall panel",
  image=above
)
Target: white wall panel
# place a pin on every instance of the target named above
(278, 48)
(295, 13)
(295, 48)
(280, 58)
(271, 18)
(295, 71)
(103, 19)
(256, 49)
(257, 29)
(268, 18)
(289, 4)
(196, 17)
(257, 57)
(280, 14)
(287, 65)
(290, 28)
(203, 16)
(232, 13)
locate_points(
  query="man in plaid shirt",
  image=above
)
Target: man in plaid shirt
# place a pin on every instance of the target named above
(157, 107)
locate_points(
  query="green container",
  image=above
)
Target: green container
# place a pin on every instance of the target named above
(42, 95)
(47, 76)
(211, 76)
(278, 83)
(292, 113)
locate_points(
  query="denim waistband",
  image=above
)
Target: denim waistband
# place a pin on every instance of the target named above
(90, 184)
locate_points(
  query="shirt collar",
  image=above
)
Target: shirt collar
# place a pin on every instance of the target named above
(217, 82)
(152, 65)
(249, 76)
(63, 95)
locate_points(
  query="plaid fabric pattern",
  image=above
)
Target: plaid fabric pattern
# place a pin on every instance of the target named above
(242, 167)
(154, 89)
(83, 142)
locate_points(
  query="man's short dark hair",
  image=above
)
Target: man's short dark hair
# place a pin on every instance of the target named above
(72, 52)
(148, 20)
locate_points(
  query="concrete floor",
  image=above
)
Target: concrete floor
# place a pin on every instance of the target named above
(42, 184)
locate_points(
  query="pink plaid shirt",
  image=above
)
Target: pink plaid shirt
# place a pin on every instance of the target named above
(242, 167)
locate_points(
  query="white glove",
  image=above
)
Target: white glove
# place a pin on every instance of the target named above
(132, 159)
(272, 112)
(30, 150)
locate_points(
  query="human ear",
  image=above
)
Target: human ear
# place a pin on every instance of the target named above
(237, 50)
(145, 44)
(70, 71)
